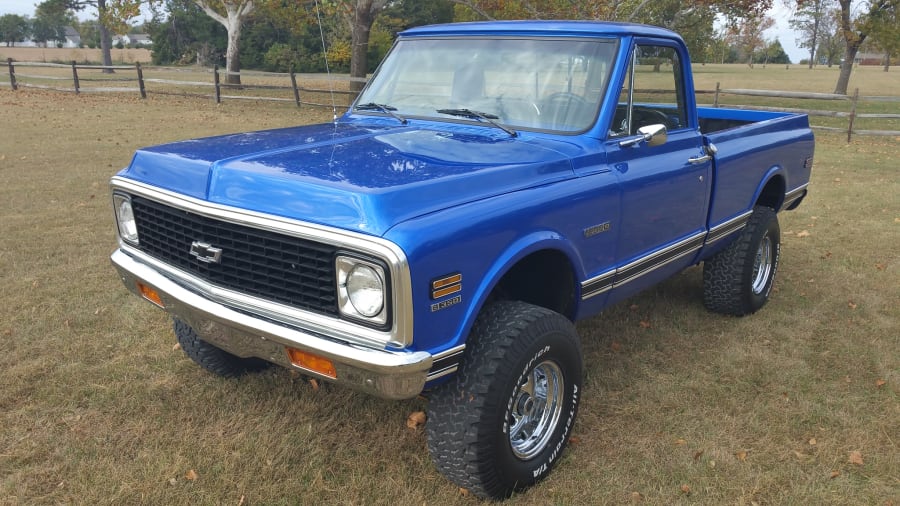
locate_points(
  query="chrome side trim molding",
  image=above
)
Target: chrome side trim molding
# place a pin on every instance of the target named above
(640, 267)
(725, 229)
(446, 362)
(792, 196)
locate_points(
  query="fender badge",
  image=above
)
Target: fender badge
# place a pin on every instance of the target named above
(597, 229)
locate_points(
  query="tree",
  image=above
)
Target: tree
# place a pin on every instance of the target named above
(185, 34)
(830, 40)
(50, 21)
(885, 28)
(772, 53)
(360, 16)
(232, 14)
(14, 28)
(748, 31)
(854, 30)
(809, 21)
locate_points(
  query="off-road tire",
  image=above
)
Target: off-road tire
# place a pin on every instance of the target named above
(738, 280)
(516, 353)
(211, 358)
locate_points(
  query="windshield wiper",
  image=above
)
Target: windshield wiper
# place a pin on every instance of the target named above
(386, 109)
(481, 116)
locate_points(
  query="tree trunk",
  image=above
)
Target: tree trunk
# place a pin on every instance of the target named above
(232, 53)
(887, 61)
(846, 68)
(363, 18)
(235, 13)
(105, 37)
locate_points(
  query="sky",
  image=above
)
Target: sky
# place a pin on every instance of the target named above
(780, 13)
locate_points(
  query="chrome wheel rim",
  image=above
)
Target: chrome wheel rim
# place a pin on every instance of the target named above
(535, 410)
(762, 266)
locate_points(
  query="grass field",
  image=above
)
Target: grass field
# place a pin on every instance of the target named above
(798, 404)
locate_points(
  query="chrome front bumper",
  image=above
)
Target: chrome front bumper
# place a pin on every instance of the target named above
(386, 374)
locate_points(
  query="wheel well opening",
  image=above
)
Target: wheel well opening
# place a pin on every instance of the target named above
(544, 278)
(772, 194)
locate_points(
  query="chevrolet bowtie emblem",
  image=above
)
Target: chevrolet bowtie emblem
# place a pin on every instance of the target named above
(206, 252)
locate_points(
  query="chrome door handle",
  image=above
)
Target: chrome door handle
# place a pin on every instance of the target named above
(699, 159)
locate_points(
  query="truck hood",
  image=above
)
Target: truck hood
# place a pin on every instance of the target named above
(357, 177)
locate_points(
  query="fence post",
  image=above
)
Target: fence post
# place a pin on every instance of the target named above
(75, 78)
(716, 100)
(294, 85)
(216, 81)
(140, 75)
(852, 114)
(12, 74)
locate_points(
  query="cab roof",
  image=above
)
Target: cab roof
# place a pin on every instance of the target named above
(542, 28)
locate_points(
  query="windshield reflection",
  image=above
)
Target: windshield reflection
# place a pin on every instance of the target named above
(539, 84)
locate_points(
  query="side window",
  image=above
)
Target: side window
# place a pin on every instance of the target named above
(652, 93)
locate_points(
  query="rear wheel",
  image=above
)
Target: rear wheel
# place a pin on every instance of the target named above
(738, 280)
(211, 358)
(502, 422)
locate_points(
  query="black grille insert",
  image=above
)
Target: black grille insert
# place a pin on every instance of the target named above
(270, 265)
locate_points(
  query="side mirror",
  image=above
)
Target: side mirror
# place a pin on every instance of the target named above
(653, 135)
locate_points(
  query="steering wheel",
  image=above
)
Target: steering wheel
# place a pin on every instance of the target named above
(643, 116)
(565, 109)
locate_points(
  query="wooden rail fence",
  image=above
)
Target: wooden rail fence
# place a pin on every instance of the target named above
(291, 91)
(288, 90)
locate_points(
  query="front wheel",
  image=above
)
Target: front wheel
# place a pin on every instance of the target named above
(212, 358)
(738, 280)
(502, 422)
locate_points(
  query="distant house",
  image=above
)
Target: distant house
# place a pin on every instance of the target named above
(73, 38)
(137, 39)
(869, 59)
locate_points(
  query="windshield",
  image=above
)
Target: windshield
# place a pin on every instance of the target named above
(540, 84)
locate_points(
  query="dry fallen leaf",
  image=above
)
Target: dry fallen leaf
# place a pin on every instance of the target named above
(880, 383)
(314, 383)
(855, 458)
(680, 442)
(415, 419)
(812, 442)
(645, 324)
(615, 346)
(173, 481)
(803, 233)
(464, 492)
(574, 440)
(686, 489)
(191, 475)
(851, 304)
(835, 474)
(636, 497)
(698, 454)
(176, 347)
(741, 455)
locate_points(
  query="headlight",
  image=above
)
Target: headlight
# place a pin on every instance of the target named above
(125, 218)
(362, 290)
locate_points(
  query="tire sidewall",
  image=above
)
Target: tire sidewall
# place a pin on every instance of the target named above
(768, 226)
(555, 347)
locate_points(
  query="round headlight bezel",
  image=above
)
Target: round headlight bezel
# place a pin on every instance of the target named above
(357, 279)
(125, 221)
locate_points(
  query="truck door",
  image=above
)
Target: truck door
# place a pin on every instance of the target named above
(665, 187)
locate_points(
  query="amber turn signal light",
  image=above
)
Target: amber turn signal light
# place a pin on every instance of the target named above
(311, 362)
(150, 294)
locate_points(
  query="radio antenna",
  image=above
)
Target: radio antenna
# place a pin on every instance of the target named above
(327, 70)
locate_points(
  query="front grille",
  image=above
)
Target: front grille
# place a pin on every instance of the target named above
(270, 265)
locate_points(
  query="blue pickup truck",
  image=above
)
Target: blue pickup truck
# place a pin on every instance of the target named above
(491, 185)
